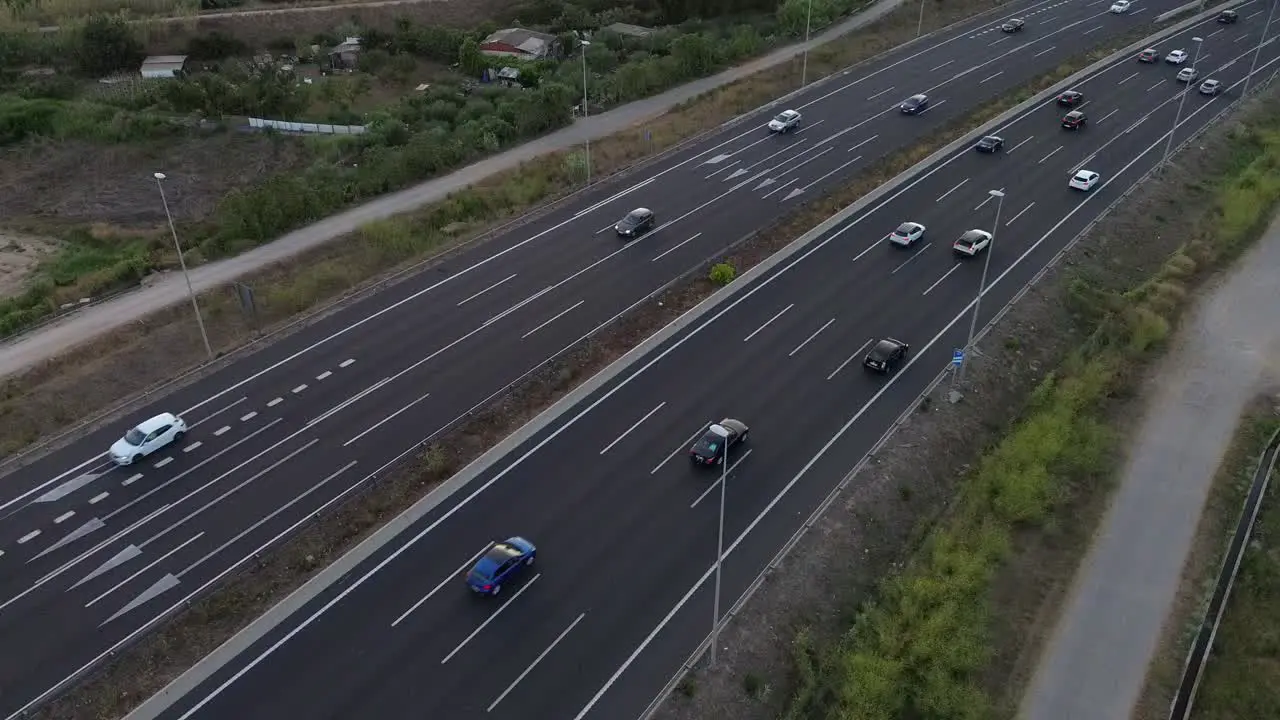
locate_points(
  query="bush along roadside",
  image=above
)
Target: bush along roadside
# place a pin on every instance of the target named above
(923, 645)
(143, 669)
(421, 136)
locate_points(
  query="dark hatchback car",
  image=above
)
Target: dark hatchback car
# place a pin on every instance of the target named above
(1227, 17)
(1070, 98)
(1014, 25)
(915, 104)
(717, 441)
(1074, 120)
(886, 356)
(990, 144)
(636, 223)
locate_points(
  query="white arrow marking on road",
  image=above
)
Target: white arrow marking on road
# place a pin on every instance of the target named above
(68, 487)
(793, 193)
(116, 561)
(168, 582)
(717, 159)
(767, 182)
(85, 529)
(736, 173)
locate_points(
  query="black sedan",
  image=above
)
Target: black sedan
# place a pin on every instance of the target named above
(990, 144)
(716, 442)
(1070, 98)
(636, 223)
(1228, 17)
(1014, 25)
(915, 104)
(886, 356)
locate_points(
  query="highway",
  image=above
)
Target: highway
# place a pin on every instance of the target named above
(90, 555)
(626, 527)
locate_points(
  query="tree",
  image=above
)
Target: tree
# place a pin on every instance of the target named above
(469, 58)
(107, 45)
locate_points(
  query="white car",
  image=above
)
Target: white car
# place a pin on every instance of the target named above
(1084, 180)
(972, 242)
(907, 234)
(1210, 87)
(149, 436)
(1186, 75)
(1120, 7)
(1177, 57)
(786, 121)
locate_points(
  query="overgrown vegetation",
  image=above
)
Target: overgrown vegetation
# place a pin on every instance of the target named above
(919, 650)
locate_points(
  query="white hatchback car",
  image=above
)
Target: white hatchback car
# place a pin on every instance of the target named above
(1187, 74)
(1120, 7)
(972, 242)
(149, 436)
(1177, 57)
(786, 121)
(1084, 180)
(907, 234)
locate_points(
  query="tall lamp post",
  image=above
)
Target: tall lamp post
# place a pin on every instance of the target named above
(1168, 147)
(804, 63)
(586, 44)
(1257, 53)
(920, 22)
(982, 284)
(183, 263)
(715, 612)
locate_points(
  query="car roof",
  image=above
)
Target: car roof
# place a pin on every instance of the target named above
(918, 96)
(974, 234)
(1086, 174)
(788, 113)
(156, 422)
(641, 211)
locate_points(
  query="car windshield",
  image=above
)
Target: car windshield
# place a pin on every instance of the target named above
(135, 437)
(1083, 177)
(632, 219)
(904, 229)
(912, 102)
(881, 351)
(783, 117)
(708, 445)
(965, 241)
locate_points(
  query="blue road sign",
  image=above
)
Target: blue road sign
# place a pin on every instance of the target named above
(957, 357)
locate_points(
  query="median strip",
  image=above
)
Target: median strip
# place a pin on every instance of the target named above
(142, 669)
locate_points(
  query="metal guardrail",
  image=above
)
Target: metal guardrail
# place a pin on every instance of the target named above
(1198, 657)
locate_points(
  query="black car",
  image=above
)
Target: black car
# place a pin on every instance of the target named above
(636, 223)
(990, 144)
(1074, 120)
(886, 356)
(1227, 17)
(915, 104)
(717, 441)
(1014, 25)
(1070, 98)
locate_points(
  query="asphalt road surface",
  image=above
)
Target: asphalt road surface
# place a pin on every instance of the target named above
(89, 555)
(626, 527)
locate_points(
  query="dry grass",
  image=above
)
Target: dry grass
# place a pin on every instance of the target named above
(142, 670)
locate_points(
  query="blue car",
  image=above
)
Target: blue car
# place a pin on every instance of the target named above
(501, 563)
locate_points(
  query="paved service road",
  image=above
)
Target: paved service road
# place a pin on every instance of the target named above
(91, 555)
(625, 526)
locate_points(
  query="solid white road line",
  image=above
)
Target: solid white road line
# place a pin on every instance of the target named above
(768, 322)
(914, 255)
(506, 279)
(864, 142)
(810, 338)
(680, 448)
(197, 423)
(451, 577)
(990, 77)
(529, 299)
(1051, 48)
(386, 419)
(1015, 147)
(722, 169)
(1127, 78)
(785, 185)
(850, 359)
(1153, 87)
(635, 425)
(882, 92)
(670, 250)
(833, 172)
(985, 200)
(936, 69)
(945, 275)
(347, 403)
(959, 185)
(1091, 30)
(553, 318)
(1051, 154)
(733, 466)
(149, 565)
(535, 662)
(489, 619)
(1020, 213)
(1104, 117)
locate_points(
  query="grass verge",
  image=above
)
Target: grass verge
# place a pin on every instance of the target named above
(146, 667)
(1239, 656)
(943, 637)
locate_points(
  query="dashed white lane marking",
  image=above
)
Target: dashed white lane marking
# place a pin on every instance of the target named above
(222, 430)
(1, 553)
(346, 362)
(275, 402)
(192, 446)
(28, 537)
(324, 374)
(248, 416)
(132, 479)
(64, 517)
(164, 462)
(98, 498)
(1049, 49)
(300, 388)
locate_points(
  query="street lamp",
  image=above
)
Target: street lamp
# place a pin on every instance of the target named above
(920, 22)
(804, 63)
(1253, 67)
(181, 261)
(1168, 147)
(715, 612)
(586, 44)
(982, 284)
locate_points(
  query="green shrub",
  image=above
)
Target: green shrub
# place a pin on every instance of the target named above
(722, 274)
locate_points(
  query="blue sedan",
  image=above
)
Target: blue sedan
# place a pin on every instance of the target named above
(500, 563)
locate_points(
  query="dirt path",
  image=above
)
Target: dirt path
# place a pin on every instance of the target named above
(1097, 660)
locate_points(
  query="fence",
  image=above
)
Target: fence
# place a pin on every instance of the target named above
(303, 127)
